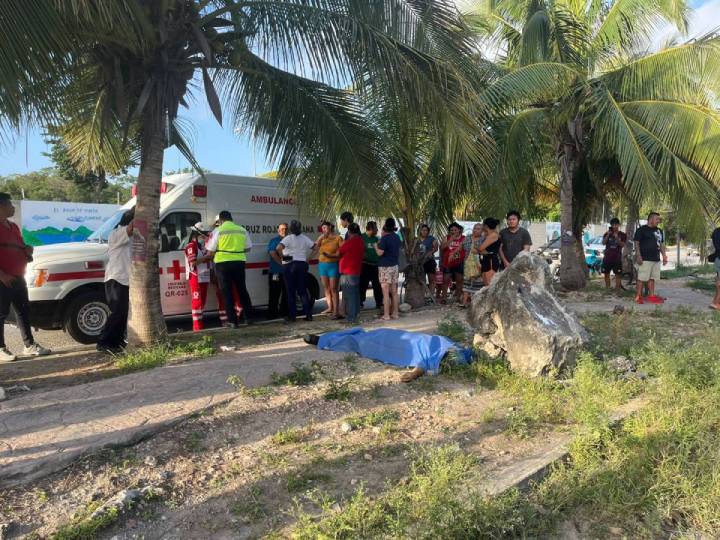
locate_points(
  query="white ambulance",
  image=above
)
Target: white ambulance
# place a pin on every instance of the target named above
(65, 281)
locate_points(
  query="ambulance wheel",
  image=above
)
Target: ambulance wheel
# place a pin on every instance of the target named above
(85, 316)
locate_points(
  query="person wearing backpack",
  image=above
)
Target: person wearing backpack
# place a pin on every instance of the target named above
(715, 258)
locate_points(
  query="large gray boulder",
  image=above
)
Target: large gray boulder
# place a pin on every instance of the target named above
(519, 316)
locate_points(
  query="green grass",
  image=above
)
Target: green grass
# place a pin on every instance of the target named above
(483, 370)
(338, 390)
(160, 354)
(685, 271)
(289, 435)
(702, 284)
(301, 375)
(85, 528)
(250, 508)
(453, 329)
(386, 419)
(257, 392)
(656, 476)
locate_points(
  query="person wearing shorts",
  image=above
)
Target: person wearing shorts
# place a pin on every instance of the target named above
(328, 245)
(388, 250)
(614, 241)
(490, 250)
(453, 260)
(649, 245)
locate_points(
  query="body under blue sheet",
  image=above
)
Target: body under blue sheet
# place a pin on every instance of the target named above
(397, 347)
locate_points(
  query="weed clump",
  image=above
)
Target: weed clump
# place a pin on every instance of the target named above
(257, 392)
(289, 436)
(301, 375)
(386, 419)
(452, 329)
(160, 354)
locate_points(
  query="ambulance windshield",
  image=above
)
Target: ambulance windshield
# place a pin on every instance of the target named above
(102, 234)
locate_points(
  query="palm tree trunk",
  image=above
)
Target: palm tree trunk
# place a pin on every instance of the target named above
(414, 273)
(633, 216)
(146, 324)
(572, 275)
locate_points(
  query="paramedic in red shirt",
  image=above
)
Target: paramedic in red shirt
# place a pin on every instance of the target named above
(14, 256)
(198, 274)
(352, 252)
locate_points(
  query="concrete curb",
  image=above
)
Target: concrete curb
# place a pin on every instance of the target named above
(524, 473)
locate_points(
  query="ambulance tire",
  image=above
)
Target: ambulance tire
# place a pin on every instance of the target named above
(85, 316)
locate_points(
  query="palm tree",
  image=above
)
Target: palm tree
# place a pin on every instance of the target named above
(583, 103)
(113, 72)
(420, 177)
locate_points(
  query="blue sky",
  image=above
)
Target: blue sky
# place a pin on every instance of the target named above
(220, 150)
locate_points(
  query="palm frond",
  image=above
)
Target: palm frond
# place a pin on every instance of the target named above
(613, 137)
(686, 131)
(688, 73)
(627, 22)
(544, 82)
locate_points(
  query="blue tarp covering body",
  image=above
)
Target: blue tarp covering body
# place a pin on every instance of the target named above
(397, 347)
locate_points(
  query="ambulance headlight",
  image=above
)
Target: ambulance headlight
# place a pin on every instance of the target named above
(37, 277)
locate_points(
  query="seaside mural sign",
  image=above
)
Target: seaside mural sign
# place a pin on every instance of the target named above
(49, 222)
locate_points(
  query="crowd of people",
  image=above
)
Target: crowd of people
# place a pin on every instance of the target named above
(348, 266)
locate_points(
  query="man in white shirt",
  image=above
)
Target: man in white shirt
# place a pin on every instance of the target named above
(294, 250)
(117, 285)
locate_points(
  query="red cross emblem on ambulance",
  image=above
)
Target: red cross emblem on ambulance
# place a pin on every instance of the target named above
(177, 270)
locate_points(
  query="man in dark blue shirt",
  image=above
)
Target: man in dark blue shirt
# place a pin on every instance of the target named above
(277, 295)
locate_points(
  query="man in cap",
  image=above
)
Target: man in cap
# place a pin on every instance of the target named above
(228, 247)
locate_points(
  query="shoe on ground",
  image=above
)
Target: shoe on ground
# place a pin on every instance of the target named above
(311, 339)
(655, 300)
(229, 325)
(110, 349)
(35, 350)
(308, 317)
(6, 355)
(290, 319)
(639, 300)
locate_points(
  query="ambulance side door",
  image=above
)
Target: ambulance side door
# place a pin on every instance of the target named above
(174, 236)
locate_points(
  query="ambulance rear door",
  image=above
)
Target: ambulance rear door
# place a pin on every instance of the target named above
(174, 236)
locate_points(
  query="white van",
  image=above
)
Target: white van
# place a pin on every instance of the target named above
(65, 281)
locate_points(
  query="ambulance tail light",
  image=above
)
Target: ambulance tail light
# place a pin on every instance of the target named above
(94, 265)
(199, 191)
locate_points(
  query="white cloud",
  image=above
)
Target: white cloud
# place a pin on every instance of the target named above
(703, 19)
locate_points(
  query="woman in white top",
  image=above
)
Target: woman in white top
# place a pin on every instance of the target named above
(295, 250)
